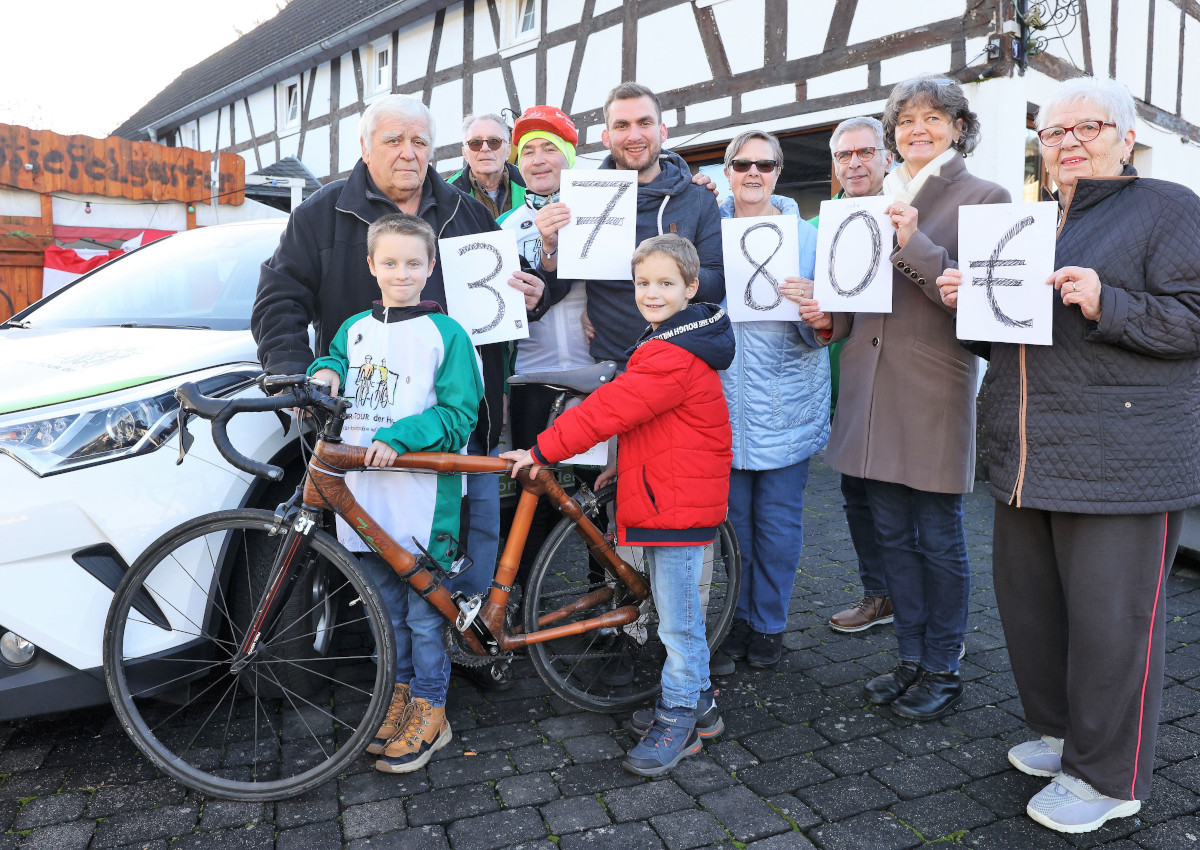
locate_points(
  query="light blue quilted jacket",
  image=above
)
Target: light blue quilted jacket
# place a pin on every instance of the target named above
(778, 385)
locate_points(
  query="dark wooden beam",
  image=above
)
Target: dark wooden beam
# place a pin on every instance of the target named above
(775, 31)
(629, 29)
(1188, 7)
(710, 37)
(439, 22)
(1150, 51)
(581, 36)
(1182, 57)
(1112, 41)
(839, 24)
(468, 52)
(1086, 34)
(540, 83)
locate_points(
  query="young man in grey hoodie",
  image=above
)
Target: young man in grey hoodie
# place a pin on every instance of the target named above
(667, 202)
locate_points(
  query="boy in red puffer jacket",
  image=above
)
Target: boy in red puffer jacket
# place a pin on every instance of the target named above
(672, 482)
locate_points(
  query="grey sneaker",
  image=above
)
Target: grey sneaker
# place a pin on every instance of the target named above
(1042, 757)
(1071, 805)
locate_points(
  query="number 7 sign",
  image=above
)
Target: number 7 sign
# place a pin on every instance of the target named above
(598, 242)
(476, 270)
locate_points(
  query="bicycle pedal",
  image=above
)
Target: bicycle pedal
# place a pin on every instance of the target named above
(468, 610)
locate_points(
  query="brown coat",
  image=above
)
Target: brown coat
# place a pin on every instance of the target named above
(906, 397)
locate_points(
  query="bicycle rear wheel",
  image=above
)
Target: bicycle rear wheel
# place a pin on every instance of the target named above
(311, 696)
(614, 669)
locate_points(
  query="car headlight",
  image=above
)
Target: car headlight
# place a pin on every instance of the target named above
(117, 425)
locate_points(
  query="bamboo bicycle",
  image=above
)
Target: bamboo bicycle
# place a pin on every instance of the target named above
(269, 696)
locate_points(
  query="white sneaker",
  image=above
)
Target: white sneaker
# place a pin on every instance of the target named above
(1071, 805)
(1038, 758)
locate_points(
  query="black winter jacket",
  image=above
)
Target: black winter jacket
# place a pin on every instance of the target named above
(1109, 414)
(319, 275)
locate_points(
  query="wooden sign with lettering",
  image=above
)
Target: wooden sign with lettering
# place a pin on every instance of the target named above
(44, 162)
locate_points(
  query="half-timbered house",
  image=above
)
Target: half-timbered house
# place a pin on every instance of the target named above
(297, 84)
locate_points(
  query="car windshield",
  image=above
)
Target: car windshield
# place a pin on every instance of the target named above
(204, 278)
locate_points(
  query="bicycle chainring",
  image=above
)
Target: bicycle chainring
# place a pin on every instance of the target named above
(462, 655)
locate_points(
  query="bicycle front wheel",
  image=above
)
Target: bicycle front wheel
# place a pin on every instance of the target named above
(310, 697)
(614, 668)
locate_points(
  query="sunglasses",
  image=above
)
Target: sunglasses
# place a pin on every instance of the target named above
(764, 166)
(864, 154)
(493, 144)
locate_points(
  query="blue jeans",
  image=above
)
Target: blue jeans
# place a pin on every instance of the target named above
(675, 573)
(766, 507)
(483, 537)
(925, 558)
(421, 660)
(862, 534)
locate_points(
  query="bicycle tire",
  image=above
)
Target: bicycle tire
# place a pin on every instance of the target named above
(585, 670)
(169, 638)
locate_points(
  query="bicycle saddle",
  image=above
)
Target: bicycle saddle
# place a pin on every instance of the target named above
(581, 381)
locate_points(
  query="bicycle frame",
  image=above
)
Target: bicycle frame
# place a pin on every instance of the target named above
(326, 487)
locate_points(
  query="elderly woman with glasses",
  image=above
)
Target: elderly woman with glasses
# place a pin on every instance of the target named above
(905, 420)
(1094, 456)
(778, 395)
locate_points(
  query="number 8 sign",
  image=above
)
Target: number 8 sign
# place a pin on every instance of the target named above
(476, 270)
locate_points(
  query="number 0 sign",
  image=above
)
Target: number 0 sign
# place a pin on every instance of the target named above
(853, 241)
(476, 270)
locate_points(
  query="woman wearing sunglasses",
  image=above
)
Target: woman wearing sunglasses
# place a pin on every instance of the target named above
(778, 395)
(905, 420)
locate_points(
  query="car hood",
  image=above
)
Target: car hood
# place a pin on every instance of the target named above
(46, 366)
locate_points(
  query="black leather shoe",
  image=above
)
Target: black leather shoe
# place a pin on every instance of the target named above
(764, 650)
(737, 641)
(886, 688)
(933, 696)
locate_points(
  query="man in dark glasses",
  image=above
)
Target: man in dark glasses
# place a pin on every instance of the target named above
(860, 163)
(487, 176)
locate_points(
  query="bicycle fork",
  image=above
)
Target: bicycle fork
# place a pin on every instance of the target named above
(280, 582)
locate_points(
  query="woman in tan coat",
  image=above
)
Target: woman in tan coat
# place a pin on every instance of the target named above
(905, 418)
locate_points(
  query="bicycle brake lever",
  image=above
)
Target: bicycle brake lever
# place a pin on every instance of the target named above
(185, 437)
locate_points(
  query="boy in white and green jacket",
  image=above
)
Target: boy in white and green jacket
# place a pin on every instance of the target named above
(415, 381)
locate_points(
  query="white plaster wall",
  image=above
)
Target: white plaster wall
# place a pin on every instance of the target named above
(1001, 107)
(208, 131)
(262, 110)
(241, 122)
(1132, 45)
(1069, 48)
(876, 18)
(450, 48)
(741, 26)
(485, 36)
(488, 91)
(768, 97)
(316, 151)
(266, 155)
(25, 204)
(1101, 30)
(1169, 159)
(524, 71)
(600, 69)
(347, 89)
(1191, 72)
(1164, 79)
(603, 6)
(808, 25)
(448, 166)
(446, 106)
(288, 146)
(413, 56)
(320, 92)
(710, 110)
(685, 64)
(223, 134)
(349, 150)
(931, 60)
(558, 68)
(839, 82)
(562, 13)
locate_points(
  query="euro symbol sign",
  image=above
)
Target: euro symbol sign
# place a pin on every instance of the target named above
(991, 281)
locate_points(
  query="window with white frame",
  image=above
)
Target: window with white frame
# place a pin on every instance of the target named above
(379, 77)
(290, 107)
(522, 29)
(526, 18)
(192, 137)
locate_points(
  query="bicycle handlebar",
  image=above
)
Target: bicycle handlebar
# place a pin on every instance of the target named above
(297, 391)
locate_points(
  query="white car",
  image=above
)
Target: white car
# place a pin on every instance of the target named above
(89, 443)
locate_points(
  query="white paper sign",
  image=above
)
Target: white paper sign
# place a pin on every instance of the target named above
(759, 253)
(476, 270)
(1006, 252)
(598, 242)
(853, 243)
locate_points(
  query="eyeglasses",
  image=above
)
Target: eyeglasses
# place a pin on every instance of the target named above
(493, 144)
(864, 154)
(764, 166)
(1084, 131)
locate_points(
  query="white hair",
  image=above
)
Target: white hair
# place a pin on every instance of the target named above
(400, 106)
(864, 122)
(485, 116)
(1109, 97)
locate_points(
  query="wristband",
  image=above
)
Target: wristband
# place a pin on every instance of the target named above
(549, 253)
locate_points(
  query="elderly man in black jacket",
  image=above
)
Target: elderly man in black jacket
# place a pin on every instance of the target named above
(319, 275)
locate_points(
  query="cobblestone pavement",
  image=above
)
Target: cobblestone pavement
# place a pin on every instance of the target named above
(803, 761)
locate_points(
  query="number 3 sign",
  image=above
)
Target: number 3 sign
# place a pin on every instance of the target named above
(476, 270)
(853, 243)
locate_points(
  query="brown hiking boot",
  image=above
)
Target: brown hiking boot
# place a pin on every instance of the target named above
(868, 611)
(393, 720)
(424, 731)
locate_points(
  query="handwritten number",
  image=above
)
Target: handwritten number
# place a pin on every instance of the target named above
(604, 218)
(483, 282)
(990, 280)
(876, 252)
(761, 268)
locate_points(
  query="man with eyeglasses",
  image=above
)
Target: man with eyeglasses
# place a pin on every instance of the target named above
(668, 201)
(860, 163)
(488, 177)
